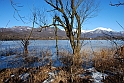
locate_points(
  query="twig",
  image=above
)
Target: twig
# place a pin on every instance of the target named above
(118, 4)
(120, 25)
(7, 23)
(17, 11)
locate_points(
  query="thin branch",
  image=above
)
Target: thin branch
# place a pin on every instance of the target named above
(32, 27)
(7, 23)
(120, 25)
(118, 4)
(17, 11)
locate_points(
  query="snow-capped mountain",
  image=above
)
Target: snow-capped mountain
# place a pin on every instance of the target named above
(18, 32)
(101, 33)
(99, 29)
(21, 28)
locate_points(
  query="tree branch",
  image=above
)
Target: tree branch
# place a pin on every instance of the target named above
(117, 4)
(120, 25)
(17, 11)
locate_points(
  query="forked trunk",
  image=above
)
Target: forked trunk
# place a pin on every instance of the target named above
(76, 51)
(76, 60)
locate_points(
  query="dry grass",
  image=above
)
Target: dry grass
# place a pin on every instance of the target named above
(44, 57)
(36, 75)
(66, 58)
(85, 54)
(71, 72)
(103, 59)
(105, 62)
(61, 77)
(65, 77)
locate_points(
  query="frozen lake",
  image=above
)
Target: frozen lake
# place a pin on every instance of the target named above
(38, 45)
(63, 44)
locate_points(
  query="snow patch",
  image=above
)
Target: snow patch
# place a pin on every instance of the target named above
(101, 28)
(51, 78)
(97, 76)
(98, 28)
(62, 29)
(29, 28)
(24, 76)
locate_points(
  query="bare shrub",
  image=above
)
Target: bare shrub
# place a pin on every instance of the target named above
(105, 62)
(46, 54)
(43, 58)
(86, 58)
(61, 77)
(66, 58)
(119, 54)
(103, 59)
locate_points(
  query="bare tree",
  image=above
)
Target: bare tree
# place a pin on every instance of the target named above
(71, 15)
(25, 41)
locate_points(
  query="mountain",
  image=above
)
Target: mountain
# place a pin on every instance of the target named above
(101, 33)
(21, 28)
(99, 29)
(21, 32)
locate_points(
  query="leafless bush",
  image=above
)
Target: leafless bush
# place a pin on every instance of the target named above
(103, 59)
(105, 62)
(119, 54)
(66, 58)
(43, 58)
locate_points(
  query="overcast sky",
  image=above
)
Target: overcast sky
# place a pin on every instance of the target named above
(107, 16)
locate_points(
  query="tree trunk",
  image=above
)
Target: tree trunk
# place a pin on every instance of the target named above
(25, 50)
(76, 56)
(56, 29)
(26, 43)
(76, 50)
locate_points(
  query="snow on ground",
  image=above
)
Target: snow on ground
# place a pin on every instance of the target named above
(50, 79)
(24, 77)
(97, 76)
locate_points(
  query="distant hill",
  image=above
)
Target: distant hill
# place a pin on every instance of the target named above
(21, 32)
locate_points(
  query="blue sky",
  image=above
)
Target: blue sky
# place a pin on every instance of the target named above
(107, 16)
